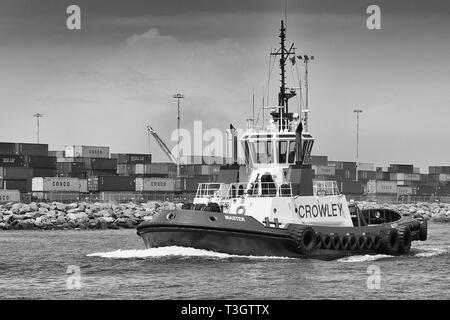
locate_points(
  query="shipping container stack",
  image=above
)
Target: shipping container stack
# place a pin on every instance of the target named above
(20, 162)
(438, 180)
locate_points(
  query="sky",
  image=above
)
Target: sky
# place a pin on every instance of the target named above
(103, 84)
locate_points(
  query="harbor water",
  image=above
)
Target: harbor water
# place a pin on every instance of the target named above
(113, 264)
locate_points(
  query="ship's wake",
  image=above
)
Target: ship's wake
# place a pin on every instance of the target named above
(419, 252)
(172, 252)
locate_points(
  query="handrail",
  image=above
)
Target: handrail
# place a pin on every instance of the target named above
(259, 190)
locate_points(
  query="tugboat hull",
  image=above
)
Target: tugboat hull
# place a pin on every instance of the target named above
(245, 236)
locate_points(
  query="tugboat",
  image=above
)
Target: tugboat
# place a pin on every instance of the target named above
(280, 211)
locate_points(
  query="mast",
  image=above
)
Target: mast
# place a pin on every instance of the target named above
(281, 96)
(282, 116)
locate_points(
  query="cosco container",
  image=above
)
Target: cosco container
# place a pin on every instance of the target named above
(157, 184)
(444, 177)
(83, 186)
(87, 151)
(9, 196)
(55, 184)
(401, 190)
(129, 158)
(14, 173)
(111, 183)
(389, 187)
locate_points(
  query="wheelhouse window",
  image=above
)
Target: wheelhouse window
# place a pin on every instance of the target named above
(282, 150)
(291, 157)
(261, 151)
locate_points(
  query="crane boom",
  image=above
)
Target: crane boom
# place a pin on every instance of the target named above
(162, 144)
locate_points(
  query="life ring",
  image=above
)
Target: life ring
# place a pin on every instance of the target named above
(240, 209)
(405, 239)
(344, 242)
(303, 239)
(390, 243)
(326, 241)
(335, 242)
(353, 242)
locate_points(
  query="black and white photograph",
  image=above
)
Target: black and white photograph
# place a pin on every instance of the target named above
(224, 154)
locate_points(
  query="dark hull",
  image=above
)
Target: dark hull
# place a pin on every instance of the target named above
(244, 236)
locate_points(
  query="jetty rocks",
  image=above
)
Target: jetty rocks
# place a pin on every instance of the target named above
(82, 215)
(433, 211)
(59, 216)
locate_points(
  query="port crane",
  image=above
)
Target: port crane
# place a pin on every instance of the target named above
(162, 144)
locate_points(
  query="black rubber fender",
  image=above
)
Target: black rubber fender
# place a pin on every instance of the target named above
(318, 240)
(200, 206)
(377, 243)
(344, 242)
(188, 206)
(213, 207)
(405, 239)
(353, 242)
(326, 241)
(303, 239)
(335, 242)
(361, 243)
(390, 242)
(368, 242)
(423, 230)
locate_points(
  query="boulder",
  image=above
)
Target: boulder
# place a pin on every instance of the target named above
(32, 215)
(24, 209)
(60, 206)
(29, 224)
(33, 206)
(52, 214)
(94, 224)
(15, 208)
(43, 210)
(44, 205)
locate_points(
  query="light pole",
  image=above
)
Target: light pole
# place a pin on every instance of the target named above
(357, 111)
(37, 116)
(306, 59)
(178, 96)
